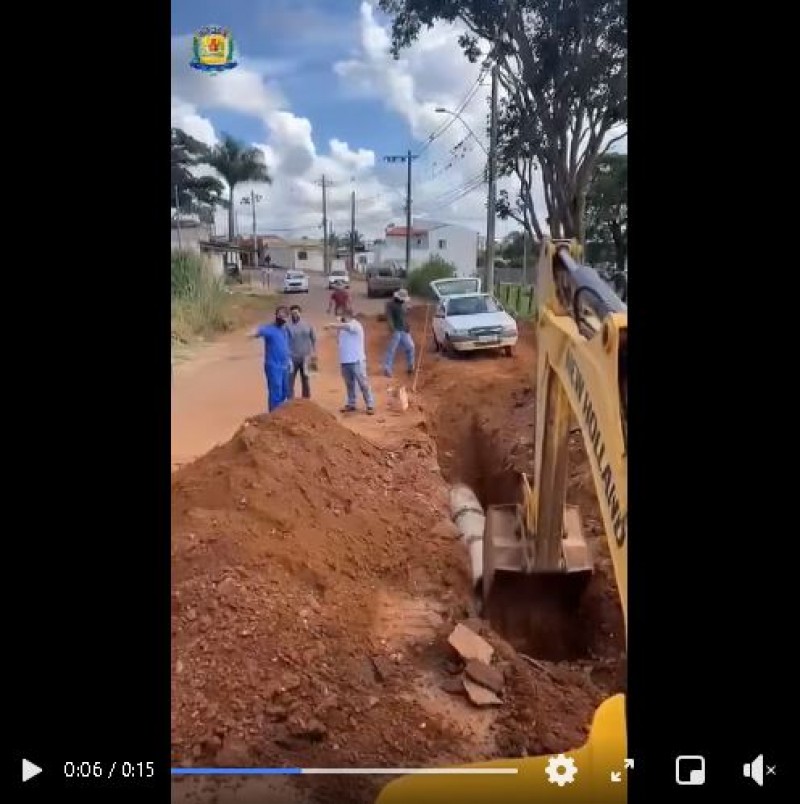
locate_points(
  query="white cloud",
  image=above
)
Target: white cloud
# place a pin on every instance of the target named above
(241, 90)
(293, 200)
(186, 117)
(432, 73)
(359, 160)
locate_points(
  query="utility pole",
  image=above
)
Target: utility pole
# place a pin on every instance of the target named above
(178, 216)
(252, 201)
(408, 217)
(325, 184)
(353, 231)
(492, 200)
(325, 268)
(408, 158)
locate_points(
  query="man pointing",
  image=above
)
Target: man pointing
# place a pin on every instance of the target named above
(353, 360)
(277, 358)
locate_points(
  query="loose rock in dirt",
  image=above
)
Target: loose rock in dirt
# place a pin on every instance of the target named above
(469, 645)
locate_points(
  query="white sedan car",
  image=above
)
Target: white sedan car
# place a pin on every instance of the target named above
(340, 276)
(467, 320)
(295, 282)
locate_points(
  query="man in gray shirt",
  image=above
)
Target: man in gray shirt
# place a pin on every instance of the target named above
(303, 345)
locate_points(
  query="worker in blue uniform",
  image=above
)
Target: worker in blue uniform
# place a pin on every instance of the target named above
(277, 358)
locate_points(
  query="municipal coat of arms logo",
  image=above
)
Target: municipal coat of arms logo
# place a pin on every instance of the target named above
(213, 50)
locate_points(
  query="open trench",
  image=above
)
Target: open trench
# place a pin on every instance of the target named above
(538, 615)
(484, 438)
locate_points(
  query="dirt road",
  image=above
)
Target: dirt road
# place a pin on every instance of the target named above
(213, 393)
(316, 576)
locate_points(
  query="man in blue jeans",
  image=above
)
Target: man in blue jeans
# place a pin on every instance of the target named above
(396, 315)
(277, 358)
(353, 360)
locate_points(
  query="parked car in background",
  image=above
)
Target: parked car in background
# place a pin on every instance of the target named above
(384, 278)
(467, 320)
(338, 276)
(295, 282)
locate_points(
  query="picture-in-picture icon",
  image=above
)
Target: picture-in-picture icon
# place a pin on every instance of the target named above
(690, 770)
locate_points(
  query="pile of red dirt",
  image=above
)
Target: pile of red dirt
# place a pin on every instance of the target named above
(316, 578)
(302, 559)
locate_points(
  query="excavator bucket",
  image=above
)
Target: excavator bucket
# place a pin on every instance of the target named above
(506, 549)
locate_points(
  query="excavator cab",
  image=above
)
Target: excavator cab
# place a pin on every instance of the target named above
(581, 385)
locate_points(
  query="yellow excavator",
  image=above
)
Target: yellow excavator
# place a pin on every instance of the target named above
(582, 347)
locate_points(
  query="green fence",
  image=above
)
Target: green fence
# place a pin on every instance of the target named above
(517, 299)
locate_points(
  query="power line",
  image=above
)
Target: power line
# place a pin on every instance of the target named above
(478, 177)
(473, 181)
(446, 125)
(465, 192)
(408, 159)
(456, 157)
(471, 92)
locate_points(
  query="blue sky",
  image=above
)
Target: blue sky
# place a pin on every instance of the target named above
(318, 91)
(303, 39)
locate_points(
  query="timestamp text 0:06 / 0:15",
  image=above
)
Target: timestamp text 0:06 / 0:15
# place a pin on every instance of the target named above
(100, 770)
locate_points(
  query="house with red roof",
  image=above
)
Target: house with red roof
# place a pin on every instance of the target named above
(455, 244)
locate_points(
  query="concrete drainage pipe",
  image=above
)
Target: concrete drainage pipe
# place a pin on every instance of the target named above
(470, 520)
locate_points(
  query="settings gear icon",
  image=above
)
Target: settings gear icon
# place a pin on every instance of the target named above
(561, 770)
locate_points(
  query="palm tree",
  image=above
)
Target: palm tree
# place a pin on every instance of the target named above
(195, 193)
(237, 163)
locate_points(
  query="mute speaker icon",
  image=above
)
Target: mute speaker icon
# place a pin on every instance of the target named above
(755, 770)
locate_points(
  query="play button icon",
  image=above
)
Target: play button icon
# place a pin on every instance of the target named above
(29, 770)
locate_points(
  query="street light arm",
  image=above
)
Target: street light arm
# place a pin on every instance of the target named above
(441, 110)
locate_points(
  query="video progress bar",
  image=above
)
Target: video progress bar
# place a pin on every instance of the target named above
(344, 771)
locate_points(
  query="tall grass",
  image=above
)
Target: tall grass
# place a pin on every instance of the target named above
(198, 297)
(419, 281)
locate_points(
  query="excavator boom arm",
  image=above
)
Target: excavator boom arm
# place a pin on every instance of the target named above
(581, 373)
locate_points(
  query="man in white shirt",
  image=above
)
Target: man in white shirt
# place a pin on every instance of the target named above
(353, 360)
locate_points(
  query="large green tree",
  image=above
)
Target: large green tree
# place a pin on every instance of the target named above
(607, 211)
(517, 253)
(236, 163)
(198, 194)
(562, 66)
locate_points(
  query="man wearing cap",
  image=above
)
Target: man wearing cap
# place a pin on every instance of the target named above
(277, 358)
(397, 316)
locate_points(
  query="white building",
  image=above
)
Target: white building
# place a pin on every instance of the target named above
(294, 255)
(455, 244)
(188, 232)
(364, 258)
(190, 235)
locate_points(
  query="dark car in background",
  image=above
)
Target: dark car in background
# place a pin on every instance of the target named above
(385, 277)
